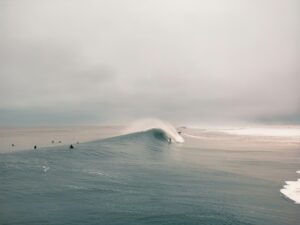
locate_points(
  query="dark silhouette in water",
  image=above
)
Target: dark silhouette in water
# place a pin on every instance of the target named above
(12, 145)
(52, 142)
(35, 147)
(71, 146)
(59, 142)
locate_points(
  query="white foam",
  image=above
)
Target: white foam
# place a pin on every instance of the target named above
(45, 168)
(193, 136)
(94, 172)
(265, 131)
(292, 190)
(148, 124)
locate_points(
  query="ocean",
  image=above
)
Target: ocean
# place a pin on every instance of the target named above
(151, 176)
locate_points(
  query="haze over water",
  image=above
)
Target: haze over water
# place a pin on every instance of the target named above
(111, 62)
(77, 76)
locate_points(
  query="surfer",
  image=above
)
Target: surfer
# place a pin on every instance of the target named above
(169, 140)
(71, 146)
(35, 147)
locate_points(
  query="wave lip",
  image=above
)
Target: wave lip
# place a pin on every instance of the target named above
(292, 190)
(155, 124)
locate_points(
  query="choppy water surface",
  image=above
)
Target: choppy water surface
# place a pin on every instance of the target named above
(142, 179)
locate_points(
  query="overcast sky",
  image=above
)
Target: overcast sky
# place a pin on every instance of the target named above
(102, 62)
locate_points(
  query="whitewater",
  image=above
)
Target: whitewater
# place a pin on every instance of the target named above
(292, 190)
(148, 124)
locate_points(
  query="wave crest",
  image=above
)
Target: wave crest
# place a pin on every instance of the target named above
(155, 124)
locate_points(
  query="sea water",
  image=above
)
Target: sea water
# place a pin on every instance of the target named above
(141, 178)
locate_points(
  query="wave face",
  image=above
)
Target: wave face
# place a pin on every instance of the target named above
(166, 129)
(292, 190)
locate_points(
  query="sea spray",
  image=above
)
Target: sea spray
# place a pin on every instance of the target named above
(149, 124)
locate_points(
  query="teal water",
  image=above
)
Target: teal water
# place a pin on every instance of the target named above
(135, 179)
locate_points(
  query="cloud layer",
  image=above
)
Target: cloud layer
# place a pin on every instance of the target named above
(113, 61)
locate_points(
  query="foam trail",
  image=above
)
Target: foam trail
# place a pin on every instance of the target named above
(193, 136)
(292, 190)
(265, 131)
(45, 168)
(149, 124)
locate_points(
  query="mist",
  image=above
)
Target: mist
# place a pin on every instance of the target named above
(109, 62)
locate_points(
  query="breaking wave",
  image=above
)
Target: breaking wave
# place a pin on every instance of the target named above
(159, 128)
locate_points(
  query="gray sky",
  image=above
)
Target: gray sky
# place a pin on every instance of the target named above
(93, 61)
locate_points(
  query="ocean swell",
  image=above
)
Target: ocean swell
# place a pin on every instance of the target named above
(159, 127)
